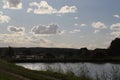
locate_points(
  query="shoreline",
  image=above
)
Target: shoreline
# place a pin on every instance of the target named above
(67, 61)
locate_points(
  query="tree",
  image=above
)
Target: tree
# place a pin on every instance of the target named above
(84, 52)
(114, 48)
(9, 54)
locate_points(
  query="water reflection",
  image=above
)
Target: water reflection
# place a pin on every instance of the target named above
(106, 70)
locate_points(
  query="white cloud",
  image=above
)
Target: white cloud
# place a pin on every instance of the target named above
(44, 8)
(64, 45)
(116, 16)
(29, 10)
(12, 4)
(45, 30)
(59, 15)
(27, 40)
(62, 32)
(75, 31)
(116, 33)
(16, 29)
(4, 18)
(39, 40)
(23, 40)
(12, 38)
(99, 25)
(96, 31)
(68, 9)
(76, 18)
(83, 25)
(115, 26)
(76, 24)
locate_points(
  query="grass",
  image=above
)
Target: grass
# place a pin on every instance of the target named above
(6, 76)
(9, 71)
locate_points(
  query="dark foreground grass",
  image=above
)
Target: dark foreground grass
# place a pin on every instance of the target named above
(6, 76)
(9, 71)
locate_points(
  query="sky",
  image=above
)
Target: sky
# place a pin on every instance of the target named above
(59, 23)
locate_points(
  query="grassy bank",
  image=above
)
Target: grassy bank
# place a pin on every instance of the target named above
(9, 71)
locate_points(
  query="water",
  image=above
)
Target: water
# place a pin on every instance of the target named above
(102, 70)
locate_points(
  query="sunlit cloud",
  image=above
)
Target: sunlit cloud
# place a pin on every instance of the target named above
(115, 26)
(4, 18)
(12, 4)
(75, 31)
(44, 8)
(98, 25)
(76, 24)
(62, 32)
(45, 29)
(116, 16)
(16, 29)
(76, 18)
(22, 40)
(59, 15)
(83, 25)
(68, 9)
(96, 31)
(116, 33)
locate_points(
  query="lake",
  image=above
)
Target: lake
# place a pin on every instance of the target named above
(106, 70)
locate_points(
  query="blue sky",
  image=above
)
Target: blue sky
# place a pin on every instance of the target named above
(59, 23)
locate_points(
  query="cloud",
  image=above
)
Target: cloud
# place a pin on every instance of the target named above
(83, 25)
(98, 25)
(44, 8)
(43, 29)
(4, 18)
(16, 29)
(26, 40)
(115, 26)
(23, 40)
(68, 9)
(116, 33)
(59, 15)
(12, 4)
(64, 45)
(62, 32)
(96, 31)
(75, 31)
(76, 24)
(116, 16)
(37, 40)
(12, 38)
(76, 18)
(29, 10)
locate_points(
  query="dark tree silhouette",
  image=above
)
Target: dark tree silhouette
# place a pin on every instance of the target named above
(9, 54)
(84, 52)
(114, 48)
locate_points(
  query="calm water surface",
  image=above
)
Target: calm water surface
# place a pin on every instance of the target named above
(90, 69)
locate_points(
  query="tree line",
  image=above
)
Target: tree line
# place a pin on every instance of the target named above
(62, 54)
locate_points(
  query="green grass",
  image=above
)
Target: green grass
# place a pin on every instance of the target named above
(8, 68)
